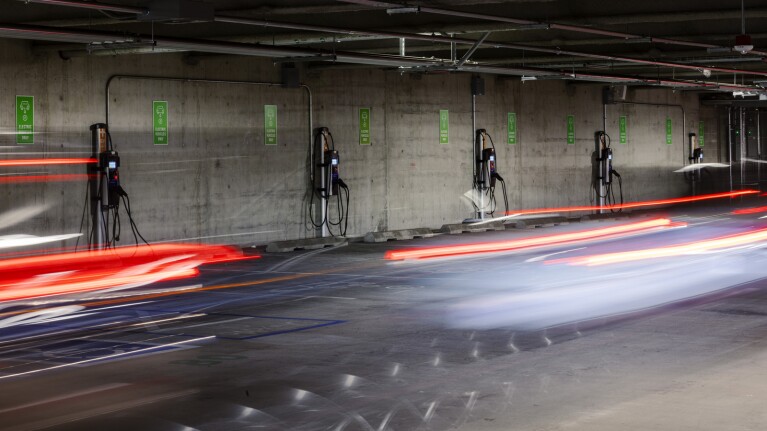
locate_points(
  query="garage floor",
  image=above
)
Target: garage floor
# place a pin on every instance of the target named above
(341, 339)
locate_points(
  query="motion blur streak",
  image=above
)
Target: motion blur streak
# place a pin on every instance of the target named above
(527, 242)
(119, 268)
(45, 178)
(115, 355)
(639, 204)
(737, 240)
(755, 210)
(45, 162)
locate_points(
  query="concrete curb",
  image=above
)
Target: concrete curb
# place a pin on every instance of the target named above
(402, 234)
(304, 244)
(544, 221)
(456, 228)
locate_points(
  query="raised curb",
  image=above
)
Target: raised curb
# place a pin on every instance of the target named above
(545, 221)
(456, 228)
(402, 234)
(304, 244)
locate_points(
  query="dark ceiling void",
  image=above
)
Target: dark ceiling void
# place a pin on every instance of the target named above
(684, 44)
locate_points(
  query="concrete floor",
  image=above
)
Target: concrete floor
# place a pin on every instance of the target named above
(340, 339)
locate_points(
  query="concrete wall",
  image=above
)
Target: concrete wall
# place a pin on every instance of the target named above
(216, 181)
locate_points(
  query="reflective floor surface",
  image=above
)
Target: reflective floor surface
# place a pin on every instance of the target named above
(593, 325)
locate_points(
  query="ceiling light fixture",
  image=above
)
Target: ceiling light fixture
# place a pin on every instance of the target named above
(398, 10)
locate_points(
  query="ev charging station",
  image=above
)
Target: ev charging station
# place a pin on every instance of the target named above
(695, 157)
(106, 192)
(486, 175)
(326, 183)
(98, 187)
(605, 172)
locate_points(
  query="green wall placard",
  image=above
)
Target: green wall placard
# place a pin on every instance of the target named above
(701, 129)
(444, 126)
(160, 122)
(270, 124)
(622, 137)
(669, 141)
(25, 120)
(511, 127)
(364, 126)
(570, 129)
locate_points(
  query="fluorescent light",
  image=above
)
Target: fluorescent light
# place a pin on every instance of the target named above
(397, 10)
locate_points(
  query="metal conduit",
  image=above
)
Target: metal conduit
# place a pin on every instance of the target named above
(671, 105)
(434, 38)
(80, 36)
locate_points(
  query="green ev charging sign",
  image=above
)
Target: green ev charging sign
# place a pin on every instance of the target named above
(444, 126)
(701, 129)
(570, 129)
(364, 126)
(270, 124)
(160, 122)
(669, 140)
(25, 120)
(622, 136)
(511, 128)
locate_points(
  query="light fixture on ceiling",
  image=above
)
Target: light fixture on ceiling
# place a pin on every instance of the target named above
(525, 78)
(398, 10)
(115, 45)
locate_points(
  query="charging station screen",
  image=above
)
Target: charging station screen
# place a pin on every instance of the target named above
(112, 165)
(335, 162)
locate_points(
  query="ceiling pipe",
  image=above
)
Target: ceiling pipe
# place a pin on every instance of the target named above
(432, 38)
(555, 26)
(450, 40)
(417, 64)
(93, 6)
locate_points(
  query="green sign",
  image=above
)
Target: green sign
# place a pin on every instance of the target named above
(669, 141)
(270, 124)
(622, 129)
(364, 126)
(25, 120)
(571, 129)
(160, 122)
(700, 133)
(512, 128)
(444, 125)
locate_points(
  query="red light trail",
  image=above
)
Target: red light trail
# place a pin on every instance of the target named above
(736, 240)
(45, 162)
(525, 243)
(38, 276)
(638, 204)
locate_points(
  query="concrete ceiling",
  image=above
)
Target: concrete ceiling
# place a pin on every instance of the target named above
(685, 44)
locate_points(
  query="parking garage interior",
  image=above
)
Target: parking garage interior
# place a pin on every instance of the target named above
(382, 215)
